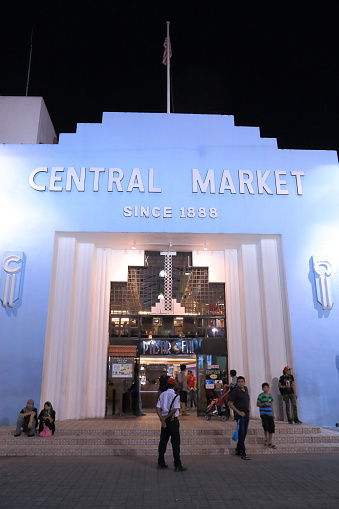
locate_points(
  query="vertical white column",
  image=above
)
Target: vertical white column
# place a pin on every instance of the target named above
(235, 337)
(54, 382)
(253, 321)
(275, 326)
(77, 368)
(97, 357)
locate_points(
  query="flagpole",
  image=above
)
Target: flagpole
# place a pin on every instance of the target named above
(168, 70)
(29, 63)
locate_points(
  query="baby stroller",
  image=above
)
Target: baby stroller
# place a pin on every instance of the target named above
(218, 407)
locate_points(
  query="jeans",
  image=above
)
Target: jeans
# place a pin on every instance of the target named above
(243, 426)
(22, 423)
(191, 398)
(287, 399)
(171, 430)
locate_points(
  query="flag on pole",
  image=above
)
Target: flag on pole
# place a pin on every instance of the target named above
(167, 51)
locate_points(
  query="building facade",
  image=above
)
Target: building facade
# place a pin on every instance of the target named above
(83, 218)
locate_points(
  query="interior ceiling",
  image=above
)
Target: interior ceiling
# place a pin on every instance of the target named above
(163, 241)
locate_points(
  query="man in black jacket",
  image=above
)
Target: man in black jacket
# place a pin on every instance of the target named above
(239, 402)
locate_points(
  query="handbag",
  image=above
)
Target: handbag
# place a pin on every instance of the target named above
(235, 434)
(46, 432)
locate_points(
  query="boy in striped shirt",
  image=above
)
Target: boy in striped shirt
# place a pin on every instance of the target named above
(265, 404)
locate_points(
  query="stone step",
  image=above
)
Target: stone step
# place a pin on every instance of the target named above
(131, 437)
(293, 430)
(152, 450)
(145, 439)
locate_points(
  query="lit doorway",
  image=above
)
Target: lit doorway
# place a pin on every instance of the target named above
(152, 368)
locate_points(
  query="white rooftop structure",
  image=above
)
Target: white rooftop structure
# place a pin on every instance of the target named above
(25, 120)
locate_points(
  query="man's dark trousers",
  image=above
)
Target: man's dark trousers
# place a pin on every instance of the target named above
(242, 432)
(287, 398)
(171, 430)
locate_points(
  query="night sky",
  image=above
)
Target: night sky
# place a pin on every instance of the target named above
(270, 64)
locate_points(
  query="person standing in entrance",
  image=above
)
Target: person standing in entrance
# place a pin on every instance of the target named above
(287, 390)
(239, 402)
(167, 408)
(192, 390)
(163, 381)
(182, 381)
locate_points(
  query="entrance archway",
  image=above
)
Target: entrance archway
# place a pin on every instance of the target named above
(251, 266)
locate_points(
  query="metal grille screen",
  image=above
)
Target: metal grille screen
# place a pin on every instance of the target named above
(190, 287)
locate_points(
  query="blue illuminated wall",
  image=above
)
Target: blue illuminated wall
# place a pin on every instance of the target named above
(170, 173)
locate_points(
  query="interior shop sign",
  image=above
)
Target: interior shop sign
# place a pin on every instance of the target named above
(165, 347)
(60, 179)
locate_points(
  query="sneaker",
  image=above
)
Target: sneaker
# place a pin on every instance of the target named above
(180, 468)
(290, 421)
(244, 457)
(17, 434)
(298, 422)
(162, 466)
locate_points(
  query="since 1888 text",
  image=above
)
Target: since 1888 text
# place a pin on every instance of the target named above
(168, 212)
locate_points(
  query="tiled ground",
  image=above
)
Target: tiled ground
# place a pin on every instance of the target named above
(274, 482)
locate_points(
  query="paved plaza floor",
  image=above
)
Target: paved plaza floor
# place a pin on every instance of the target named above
(283, 481)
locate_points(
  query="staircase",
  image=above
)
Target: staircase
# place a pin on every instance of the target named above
(132, 436)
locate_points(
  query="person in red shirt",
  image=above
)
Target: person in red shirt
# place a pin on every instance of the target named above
(192, 390)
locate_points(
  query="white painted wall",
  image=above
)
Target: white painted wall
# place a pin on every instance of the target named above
(25, 120)
(214, 260)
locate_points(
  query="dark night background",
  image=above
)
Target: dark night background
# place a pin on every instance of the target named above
(270, 64)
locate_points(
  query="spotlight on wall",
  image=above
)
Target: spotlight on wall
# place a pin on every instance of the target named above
(205, 246)
(134, 246)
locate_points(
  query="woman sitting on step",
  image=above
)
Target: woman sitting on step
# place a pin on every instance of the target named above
(47, 417)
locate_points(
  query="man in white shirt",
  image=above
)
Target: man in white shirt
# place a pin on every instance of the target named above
(167, 408)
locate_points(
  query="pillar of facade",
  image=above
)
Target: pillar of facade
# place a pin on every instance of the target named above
(98, 341)
(54, 376)
(235, 334)
(74, 373)
(275, 319)
(79, 337)
(254, 360)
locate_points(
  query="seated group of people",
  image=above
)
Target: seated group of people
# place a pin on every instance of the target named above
(29, 420)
